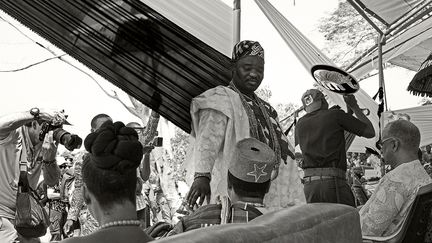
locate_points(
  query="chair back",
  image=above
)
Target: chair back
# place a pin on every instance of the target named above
(419, 216)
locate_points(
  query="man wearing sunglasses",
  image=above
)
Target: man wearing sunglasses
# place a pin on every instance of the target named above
(320, 134)
(391, 201)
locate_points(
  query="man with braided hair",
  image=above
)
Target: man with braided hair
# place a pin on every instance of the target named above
(110, 177)
(222, 116)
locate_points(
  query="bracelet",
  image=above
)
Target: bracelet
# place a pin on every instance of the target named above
(48, 162)
(202, 174)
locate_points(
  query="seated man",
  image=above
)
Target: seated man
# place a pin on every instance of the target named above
(248, 182)
(391, 201)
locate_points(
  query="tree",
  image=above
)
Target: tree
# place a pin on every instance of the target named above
(347, 34)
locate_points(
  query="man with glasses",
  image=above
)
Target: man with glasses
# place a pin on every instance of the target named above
(321, 136)
(391, 201)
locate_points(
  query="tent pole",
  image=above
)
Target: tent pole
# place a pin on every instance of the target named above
(236, 21)
(381, 41)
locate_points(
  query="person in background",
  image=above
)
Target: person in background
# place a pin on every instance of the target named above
(20, 141)
(321, 136)
(391, 201)
(248, 182)
(78, 211)
(110, 178)
(143, 172)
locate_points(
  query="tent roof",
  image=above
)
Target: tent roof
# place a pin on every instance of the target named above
(163, 53)
(387, 11)
(407, 50)
(408, 33)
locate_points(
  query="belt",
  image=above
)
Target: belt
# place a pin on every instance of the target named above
(329, 171)
(308, 179)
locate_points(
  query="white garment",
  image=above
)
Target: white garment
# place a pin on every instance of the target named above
(229, 124)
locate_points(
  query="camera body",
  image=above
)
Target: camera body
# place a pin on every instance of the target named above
(65, 138)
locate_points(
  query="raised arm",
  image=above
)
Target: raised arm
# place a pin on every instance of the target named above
(11, 122)
(351, 102)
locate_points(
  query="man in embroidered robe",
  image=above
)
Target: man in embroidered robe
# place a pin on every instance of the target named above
(221, 117)
(248, 175)
(394, 195)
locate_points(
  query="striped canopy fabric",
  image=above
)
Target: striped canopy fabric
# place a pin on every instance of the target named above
(131, 45)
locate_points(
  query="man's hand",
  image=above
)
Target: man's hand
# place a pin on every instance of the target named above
(200, 189)
(147, 149)
(351, 101)
(49, 148)
(67, 228)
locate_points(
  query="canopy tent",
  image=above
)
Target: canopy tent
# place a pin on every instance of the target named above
(309, 55)
(405, 40)
(421, 116)
(138, 49)
(408, 34)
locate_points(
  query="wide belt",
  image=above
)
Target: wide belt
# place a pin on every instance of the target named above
(324, 172)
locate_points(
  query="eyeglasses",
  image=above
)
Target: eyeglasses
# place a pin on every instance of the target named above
(381, 143)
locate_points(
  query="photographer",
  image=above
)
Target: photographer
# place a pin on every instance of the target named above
(21, 140)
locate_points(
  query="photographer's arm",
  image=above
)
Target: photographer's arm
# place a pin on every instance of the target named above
(145, 167)
(151, 128)
(11, 122)
(51, 171)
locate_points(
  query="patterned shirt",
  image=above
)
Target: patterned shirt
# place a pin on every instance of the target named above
(390, 204)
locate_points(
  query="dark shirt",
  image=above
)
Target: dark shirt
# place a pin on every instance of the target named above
(321, 137)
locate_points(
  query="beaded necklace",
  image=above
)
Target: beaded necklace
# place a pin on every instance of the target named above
(129, 222)
(253, 123)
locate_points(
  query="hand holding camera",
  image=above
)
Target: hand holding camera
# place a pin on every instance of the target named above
(49, 148)
(54, 122)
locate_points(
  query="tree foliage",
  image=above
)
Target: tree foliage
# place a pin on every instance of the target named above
(347, 34)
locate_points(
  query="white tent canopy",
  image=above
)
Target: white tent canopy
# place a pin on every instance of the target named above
(421, 116)
(208, 20)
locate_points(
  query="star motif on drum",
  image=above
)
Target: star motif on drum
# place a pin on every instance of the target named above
(257, 172)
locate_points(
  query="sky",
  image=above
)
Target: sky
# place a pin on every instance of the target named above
(56, 85)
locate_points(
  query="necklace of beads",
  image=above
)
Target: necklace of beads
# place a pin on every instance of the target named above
(120, 223)
(254, 123)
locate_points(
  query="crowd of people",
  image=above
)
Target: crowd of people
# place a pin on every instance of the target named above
(240, 165)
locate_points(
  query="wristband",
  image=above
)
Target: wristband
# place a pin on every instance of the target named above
(202, 174)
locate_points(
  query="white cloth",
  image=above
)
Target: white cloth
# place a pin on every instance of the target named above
(219, 121)
(391, 201)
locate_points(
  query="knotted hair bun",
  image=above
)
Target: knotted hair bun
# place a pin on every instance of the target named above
(114, 147)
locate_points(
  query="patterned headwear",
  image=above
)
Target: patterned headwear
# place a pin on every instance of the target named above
(247, 48)
(252, 161)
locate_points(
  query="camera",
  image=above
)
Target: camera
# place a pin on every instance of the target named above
(157, 142)
(65, 138)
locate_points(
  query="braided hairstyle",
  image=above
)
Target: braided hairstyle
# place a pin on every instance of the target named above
(109, 170)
